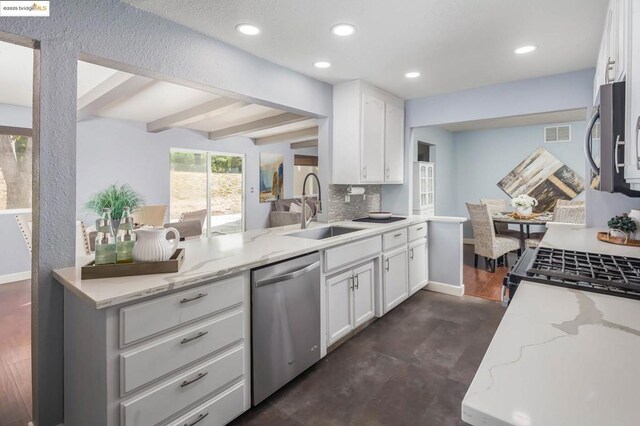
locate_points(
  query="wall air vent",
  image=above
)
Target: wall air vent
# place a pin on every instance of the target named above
(555, 134)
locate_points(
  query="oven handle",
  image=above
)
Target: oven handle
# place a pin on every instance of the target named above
(587, 142)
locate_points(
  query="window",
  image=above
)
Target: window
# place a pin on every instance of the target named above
(209, 181)
(302, 166)
(16, 152)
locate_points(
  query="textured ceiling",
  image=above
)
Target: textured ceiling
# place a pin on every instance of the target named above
(455, 44)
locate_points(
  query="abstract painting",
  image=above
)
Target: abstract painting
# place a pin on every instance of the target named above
(271, 177)
(543, 177)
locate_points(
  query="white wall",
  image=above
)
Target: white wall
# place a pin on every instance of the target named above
(552, 93)
(142, 161)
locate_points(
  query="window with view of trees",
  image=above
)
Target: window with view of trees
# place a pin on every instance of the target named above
(16, 153)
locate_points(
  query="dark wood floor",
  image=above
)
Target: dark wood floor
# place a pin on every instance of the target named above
(479, 282)
(411, 367)
(15, 354)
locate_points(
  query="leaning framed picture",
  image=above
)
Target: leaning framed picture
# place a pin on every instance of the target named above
(271, 177)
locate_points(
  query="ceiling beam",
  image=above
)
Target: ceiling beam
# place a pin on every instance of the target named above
(293, 136)
(117, 87)
(305, 144)
(254, 126)
(197, 113)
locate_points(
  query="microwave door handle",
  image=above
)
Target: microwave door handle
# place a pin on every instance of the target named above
(587, 142)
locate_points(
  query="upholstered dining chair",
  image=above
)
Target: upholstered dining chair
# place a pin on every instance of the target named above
(25, 224)
(153, 215)
(580, 203)
(486, 243)
(497, 205)
(200, 215)
(569, 213)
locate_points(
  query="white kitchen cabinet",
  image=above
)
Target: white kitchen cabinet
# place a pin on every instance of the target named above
(632, 145)
(368, 135)
(395, 279)
(339, 301)
(394, 143)
(418, 265)
(363, 293)
(612, 60)
(424, 188)
(373, 116)
(350, 300)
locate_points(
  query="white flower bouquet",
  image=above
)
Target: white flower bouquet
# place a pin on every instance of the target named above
(524, 204)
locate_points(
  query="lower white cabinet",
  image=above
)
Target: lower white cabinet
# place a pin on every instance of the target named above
(418, 265)
(394, 278)
(350, 300)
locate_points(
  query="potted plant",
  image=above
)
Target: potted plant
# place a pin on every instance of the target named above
(524, 204)
(623, 225)
(114, 197)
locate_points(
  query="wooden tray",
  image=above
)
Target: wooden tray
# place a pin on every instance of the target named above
(92, 271)
(604, 236)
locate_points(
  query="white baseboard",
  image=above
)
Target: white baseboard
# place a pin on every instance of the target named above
(468, 241)
(450, 289)
(18, 276)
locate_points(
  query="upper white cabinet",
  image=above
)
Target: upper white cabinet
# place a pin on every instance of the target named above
(612, 59)
(632, 110)
(368, 135)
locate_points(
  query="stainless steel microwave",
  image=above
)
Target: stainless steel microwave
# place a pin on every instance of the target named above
(604, 141)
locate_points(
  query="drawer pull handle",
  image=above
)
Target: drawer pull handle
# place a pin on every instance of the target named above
(420, 229)
(190, 339)
(198, 420)
(398, 235)
(191, 299)
(195, 379)
(387, 266)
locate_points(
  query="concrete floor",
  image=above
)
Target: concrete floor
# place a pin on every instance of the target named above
(411, 367)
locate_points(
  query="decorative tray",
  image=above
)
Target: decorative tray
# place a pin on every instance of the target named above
(92, 271)
(605, 237)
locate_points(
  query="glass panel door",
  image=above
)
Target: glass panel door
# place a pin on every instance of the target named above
(188, 183)
(227, 183)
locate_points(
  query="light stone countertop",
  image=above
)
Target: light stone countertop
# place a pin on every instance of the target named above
(561, 356)
(216, 257)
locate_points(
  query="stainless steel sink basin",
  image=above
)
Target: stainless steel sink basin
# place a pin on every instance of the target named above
(322, 233)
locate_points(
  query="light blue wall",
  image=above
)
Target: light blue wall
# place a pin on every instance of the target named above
(552, 93)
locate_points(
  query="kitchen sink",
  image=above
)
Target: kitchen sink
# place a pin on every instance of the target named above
(322, 233)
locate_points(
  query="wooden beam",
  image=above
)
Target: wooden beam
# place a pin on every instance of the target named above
(305, 144)
(254, 126)
(294, 136)
(19, 131)
(197, 113)
(115, 88)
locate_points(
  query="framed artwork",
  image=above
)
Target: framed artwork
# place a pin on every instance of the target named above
(543, 177)
(271, 177)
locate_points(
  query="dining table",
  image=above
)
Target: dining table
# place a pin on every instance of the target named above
(523, 223)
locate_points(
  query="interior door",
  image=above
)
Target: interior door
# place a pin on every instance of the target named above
(372, 144)
(394, 144)
(363, 294)
(417, 265)
(339, 299)
(396, 286)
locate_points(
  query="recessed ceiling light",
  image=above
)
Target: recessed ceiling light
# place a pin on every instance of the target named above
(322, 64)
(343, 29)
(525, 49)
(412, 74)
(247, 29)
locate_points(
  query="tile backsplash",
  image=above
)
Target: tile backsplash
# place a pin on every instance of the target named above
(358, 206)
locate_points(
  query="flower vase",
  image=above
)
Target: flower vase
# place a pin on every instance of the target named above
(524, 211)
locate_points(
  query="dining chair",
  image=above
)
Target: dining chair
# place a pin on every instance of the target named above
(25, 224)
(499, 205)
(486, 242)
(200, 215)
(153, 215)
(570, 203)
(569, 213)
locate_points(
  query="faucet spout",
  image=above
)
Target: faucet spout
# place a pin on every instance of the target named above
(304, 222)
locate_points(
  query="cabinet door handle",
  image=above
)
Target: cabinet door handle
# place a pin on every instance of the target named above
(351, 285)
(387, 267)
(398, 235)
(201, 417)
(615, 153)
(609, 67)
(195, 379)
(420, 229)
(357, 281)
(411, 254)
(191, 299)
(364, 172)
(190, 339)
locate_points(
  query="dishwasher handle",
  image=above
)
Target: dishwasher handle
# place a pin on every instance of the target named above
(289, 276)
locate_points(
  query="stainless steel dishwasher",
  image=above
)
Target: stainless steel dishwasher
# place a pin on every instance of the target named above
(285, 317)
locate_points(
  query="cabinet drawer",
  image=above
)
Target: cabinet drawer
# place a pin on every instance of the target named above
(349, 253)
(148, 318)
(417, 231)
(173, 396)
(153, 361)
(394, 239)
(219, 410)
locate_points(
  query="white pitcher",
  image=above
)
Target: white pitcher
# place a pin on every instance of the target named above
(152, 244)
